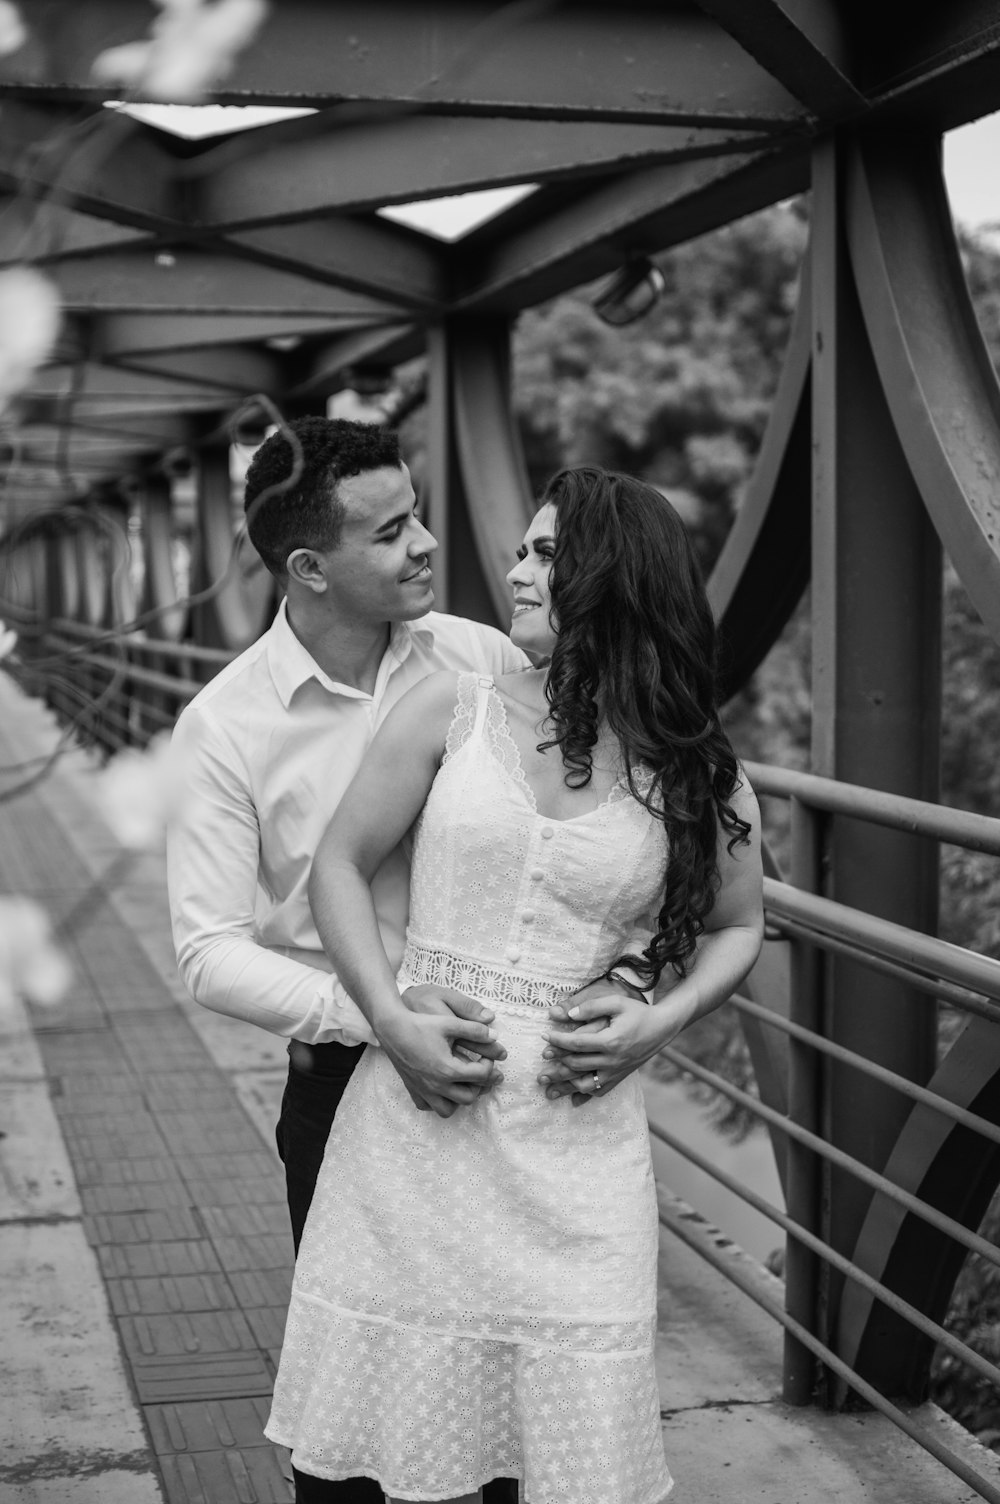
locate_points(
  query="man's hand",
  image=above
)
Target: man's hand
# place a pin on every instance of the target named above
(443, 1048)
(602, 1029)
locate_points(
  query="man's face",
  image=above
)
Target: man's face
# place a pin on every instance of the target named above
(380, 571)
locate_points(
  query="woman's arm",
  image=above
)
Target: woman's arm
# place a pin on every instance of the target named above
(381, 804)
(635, 1032)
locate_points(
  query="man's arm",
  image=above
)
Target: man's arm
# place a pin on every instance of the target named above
(213, 849)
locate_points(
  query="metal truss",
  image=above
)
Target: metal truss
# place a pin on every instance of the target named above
(198, 274)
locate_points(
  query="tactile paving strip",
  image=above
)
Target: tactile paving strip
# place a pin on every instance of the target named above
(182, 1203)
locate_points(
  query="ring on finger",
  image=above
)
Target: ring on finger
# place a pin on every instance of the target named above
(597, 1081)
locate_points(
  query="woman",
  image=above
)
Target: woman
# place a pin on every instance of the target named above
(476, 1293)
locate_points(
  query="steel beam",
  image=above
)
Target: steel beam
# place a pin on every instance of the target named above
(159, 587)
(91, 382)
(127, 334)
(234, 368)
(321, 372)
(876, 580)
(396, 161)
(150, 429)
(478, 490)
(494, 474)
(628, 61)
(934, 365)
(804, 44)
(235, 588)
(201, 282)
(108, 166)
(956, 1171)
(30, 231)
(938, 71)
(362, 255)
(641, 212)
(763, 569)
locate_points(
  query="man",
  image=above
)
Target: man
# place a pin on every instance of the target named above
(270, 745)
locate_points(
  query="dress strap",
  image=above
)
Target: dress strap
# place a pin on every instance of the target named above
(485, 684)
(471, 704)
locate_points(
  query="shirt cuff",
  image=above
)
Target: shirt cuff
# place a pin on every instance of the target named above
(342, 1018)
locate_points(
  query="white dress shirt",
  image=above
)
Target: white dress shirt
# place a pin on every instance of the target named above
(268, 749)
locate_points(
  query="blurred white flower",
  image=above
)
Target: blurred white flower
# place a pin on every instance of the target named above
(139, 791)
(8, 641)
(29, 324)
(13, 32)
(31, 964)
(193, 44)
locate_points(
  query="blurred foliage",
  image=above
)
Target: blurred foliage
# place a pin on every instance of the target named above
(680, 397)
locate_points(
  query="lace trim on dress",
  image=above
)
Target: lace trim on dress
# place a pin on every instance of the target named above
(464, 717)
(508, 754)
(493, 984)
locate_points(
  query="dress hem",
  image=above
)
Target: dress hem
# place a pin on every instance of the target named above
(339, 1475)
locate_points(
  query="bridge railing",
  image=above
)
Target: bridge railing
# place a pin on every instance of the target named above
(123, 688)
(950, 973)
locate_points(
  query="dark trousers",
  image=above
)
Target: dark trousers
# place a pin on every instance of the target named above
(317, 1078)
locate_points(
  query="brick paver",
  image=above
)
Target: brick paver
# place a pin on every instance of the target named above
(182, 1202)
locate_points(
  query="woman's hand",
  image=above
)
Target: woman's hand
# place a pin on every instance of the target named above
(424, 1048)
(607, 1033)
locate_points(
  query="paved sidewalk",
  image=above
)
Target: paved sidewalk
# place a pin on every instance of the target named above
(145, 1256)
(144, 1231)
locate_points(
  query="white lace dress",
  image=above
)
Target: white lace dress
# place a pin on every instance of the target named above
(475, 1296)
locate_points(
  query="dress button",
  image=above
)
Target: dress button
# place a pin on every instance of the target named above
(537, 875)
(513, 956)
(546, 832)
(528, 917)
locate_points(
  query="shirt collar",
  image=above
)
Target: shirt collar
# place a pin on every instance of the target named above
(292, 665)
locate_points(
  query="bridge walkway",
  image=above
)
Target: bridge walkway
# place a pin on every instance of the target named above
(144, 1251)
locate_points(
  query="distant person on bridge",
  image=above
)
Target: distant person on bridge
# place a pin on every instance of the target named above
(269, 747)
(476, 1291)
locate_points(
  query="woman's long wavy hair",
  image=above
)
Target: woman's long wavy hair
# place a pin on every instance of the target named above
(636, 648)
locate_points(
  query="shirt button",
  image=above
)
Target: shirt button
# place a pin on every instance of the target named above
(528, 917)
(546, 832)
(513, 956)
(537, 875)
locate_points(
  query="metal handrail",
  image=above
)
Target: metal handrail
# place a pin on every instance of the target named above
(957, 827)
(867, 1067)
(924, 1438)
(925, 953)
(835, 1156)
(936, 987)
(133, 642)
(846, 1266)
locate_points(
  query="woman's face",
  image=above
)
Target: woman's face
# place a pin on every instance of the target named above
(531, 627)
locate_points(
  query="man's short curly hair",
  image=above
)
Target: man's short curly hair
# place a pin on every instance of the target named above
(291, 487)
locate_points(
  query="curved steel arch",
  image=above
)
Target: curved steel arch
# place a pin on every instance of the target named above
(763, 569)
(944, 401)
(947, 1165)
(936, 372)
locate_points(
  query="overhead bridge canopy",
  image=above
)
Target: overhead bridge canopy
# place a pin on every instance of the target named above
(195, 273)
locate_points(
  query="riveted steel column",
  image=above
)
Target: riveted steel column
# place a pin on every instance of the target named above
(803, 1169)
(462, 574)
(159, 585)
(235, 589)
(441, 463)
(876, 704)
